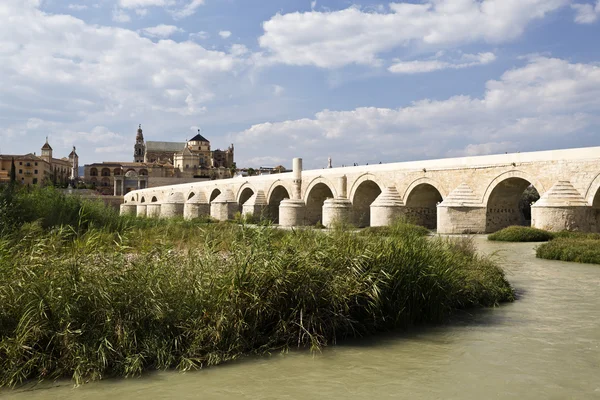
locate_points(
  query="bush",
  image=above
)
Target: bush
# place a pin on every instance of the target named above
(521, 234)
(400, 227)
(586, 250)
(180, 294)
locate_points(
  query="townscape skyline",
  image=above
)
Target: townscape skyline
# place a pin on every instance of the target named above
(364, 82)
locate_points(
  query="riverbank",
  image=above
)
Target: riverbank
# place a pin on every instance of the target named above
(563, 246)
(87, 301)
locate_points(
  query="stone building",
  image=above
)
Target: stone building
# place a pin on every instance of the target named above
(161, 163)
(32, 169)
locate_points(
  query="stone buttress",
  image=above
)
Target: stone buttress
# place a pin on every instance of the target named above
(293, 211)
(197, 206)
(387, 207)
(224, 207)
(563, 208)
(461, 212)
(338, 210)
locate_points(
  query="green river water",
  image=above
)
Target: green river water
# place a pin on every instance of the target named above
(546, 345)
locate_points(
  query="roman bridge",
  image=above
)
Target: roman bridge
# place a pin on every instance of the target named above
(455, 195)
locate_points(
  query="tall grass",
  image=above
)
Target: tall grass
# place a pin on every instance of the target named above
(99, 302)
(583, 249)
(521, 234)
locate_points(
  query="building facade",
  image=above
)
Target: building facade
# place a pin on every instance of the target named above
(161, 163)
(31, 169)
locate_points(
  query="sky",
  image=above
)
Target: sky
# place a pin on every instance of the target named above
(360, 82)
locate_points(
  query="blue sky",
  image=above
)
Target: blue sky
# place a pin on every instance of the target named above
(356, 81)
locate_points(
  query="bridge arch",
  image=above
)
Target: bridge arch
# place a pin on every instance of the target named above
(592, 194)
(190, 194)
(244, 193)
(214, 194)
(503, 197)
(154, 199)
(316, 193)
(421, 199)
(320, 180)
(277, 193)
(143, 200)
(363, 193)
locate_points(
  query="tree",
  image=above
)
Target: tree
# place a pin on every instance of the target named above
(251, 172)
(13, 172)
(233, 169)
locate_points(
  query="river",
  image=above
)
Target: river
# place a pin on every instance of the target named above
(546, 345)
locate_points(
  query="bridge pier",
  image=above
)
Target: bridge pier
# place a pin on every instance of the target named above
(128, 209)
(387, 207)
(461, 212)
(141, 210)
(153, 210)
(255, 205)
(196, 207)
(173, 206)
(224, 207)
(338, 210)
(562, 208)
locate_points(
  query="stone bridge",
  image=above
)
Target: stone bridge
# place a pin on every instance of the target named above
(456, 195)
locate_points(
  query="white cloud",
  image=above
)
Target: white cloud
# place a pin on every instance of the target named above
(278, 90)
(66, 69)
(161, 31)
(466, 61)
(145, 3)
(586, 13)
(546, 100)
(202, 35)
(225, 34)
(188, 9)
(313, 4)
(333, 39)
(119, 15)
(77, 7)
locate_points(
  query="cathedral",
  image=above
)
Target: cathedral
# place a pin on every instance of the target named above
(193, 157)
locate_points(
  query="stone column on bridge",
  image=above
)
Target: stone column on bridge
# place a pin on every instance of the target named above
(128, 209)
(338, 210)
(196, 207)
(142, 209)
(255, 205)
(461, 212)
(153, 210)
(563, 208)
(387, 207)
(172, 206)
(292, 211)
(224, 206)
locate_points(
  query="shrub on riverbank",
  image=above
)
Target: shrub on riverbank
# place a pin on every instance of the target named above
(175, 294)
(582, 250)
(521, 234)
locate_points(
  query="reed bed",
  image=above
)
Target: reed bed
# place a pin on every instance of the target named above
(521, 234)
(584, 249)
(87, 301)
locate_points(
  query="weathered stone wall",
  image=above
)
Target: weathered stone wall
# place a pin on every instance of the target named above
(558, 219)
(460, 220)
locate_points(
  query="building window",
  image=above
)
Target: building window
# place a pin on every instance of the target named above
(20, 171)
(36, 163)
(35, 172)
(35, 180)
(20, 162)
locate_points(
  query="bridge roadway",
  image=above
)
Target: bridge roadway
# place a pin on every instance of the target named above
(455, 195)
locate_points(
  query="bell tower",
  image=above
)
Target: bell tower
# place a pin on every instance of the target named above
(139, 149)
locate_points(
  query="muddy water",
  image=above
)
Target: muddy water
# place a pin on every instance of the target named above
(546, 345)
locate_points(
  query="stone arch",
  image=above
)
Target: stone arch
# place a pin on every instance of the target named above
(117, 171)
(315, 198)
(93, 172)
(154, 199)
(105, 172)
(245, 195)
(421, 199)
(143, 200)
(512, 174)
(276, 195)
(190, 195)
(502, 199)
(242, 193)
(214, 194)
(320, 180)
(363, 193)
(591, 195)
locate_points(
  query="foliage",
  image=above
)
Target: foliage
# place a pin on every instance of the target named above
(529, 196)
(157, 294)
(13, 171)
(400, 227)
(521, 234)
(583, 249)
